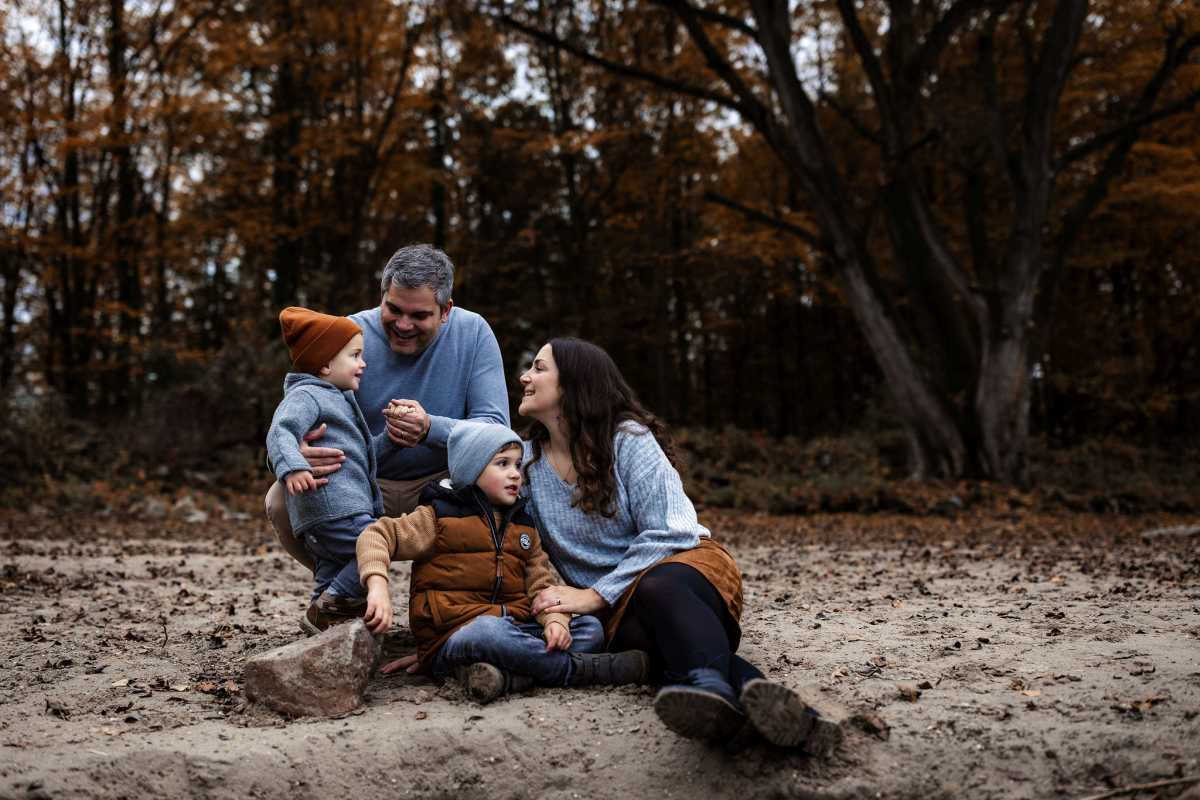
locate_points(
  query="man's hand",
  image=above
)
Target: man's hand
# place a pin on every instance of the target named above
(568, 600)
(557, 636)
(407, 422)
(321, 460)
(301, 481)
(379, 605)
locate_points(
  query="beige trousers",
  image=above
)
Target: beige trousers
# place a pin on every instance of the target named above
(399, 497)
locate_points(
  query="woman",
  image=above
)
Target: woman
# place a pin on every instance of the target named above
(619, 528)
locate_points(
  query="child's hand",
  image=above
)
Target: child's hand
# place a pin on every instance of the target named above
(409, 664)
(300, 481)
(557, 636)
(379, 605)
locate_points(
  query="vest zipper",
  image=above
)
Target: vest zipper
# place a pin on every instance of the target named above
(497, 540)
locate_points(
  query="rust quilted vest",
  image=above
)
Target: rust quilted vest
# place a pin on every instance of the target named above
(466, 575)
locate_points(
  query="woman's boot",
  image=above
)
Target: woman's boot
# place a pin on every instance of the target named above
(703, 707)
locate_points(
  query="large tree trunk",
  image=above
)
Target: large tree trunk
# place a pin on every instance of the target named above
(129, 284)
(282, 141)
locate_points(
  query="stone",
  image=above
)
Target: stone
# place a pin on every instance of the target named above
(908, 691)
(322, 676)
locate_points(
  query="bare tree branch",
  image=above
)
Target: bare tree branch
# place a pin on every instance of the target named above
(1132, 126)
(1141, 115)
(726, 20)
(852, 119)
(623, 69)
(752, 108)
(755, 215)
(925, 59)
(873, 69)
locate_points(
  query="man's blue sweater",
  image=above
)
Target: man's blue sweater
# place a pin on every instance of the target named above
(458, 376)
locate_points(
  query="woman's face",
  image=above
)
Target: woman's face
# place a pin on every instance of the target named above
(541, 397)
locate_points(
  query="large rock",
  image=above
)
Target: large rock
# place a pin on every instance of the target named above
(322, 676)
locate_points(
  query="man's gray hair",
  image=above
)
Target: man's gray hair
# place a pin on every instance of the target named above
(420, 265)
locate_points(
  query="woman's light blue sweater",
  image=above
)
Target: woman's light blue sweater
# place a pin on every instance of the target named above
(654, 518)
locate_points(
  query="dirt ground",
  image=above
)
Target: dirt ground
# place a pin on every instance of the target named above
(990, 652)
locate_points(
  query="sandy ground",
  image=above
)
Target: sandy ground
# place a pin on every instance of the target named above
(1059, 655)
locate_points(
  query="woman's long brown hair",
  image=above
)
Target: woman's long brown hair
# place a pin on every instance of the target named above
(595, 400)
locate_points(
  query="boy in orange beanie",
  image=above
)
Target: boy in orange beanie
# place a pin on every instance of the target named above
(326, 514)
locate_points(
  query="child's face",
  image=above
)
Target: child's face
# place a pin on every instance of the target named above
(501, 479)
(347, 366)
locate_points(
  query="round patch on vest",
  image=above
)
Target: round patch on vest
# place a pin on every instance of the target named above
(526, 542)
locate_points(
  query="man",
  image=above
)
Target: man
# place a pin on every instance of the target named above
(432, 364)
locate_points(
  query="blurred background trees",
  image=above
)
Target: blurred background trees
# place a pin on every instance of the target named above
(171, 174)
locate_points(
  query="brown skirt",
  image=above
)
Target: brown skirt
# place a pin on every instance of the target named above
(711, 560)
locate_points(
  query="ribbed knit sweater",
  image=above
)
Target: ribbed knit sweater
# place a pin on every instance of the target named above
(654, 518)
(459, 376)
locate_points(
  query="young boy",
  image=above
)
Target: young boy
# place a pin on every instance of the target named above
(327, 516)
(477, 564)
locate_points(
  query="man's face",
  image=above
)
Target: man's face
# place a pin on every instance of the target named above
(411, 318)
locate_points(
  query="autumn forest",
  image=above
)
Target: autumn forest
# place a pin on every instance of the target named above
(973, 223)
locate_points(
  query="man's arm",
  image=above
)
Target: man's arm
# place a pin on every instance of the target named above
(487, 397)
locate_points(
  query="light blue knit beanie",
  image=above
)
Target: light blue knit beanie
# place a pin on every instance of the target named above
(471, 446)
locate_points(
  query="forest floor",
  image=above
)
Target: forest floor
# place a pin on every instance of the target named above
(1058, 651)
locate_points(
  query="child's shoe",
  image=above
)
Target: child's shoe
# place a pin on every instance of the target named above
(705, 707)
(485, 682)
(608, 669)
(328, 610)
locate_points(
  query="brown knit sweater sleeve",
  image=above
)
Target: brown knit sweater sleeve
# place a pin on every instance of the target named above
(389, 539)
(538, 577)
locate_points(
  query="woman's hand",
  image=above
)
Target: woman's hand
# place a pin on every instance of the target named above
(568, 600)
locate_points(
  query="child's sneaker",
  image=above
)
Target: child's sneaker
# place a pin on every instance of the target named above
(485, 682)
(328, 610)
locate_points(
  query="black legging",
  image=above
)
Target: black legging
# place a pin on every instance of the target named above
(679, 618)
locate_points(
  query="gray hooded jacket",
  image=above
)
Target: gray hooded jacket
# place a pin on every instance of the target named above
(307, 402)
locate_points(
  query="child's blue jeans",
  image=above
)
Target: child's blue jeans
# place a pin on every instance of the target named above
(332, 548)
(517, 647)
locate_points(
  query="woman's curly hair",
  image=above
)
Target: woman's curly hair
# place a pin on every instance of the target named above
(595, 400)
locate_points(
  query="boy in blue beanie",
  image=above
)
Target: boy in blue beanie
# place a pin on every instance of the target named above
(326, 514)
(477, 564)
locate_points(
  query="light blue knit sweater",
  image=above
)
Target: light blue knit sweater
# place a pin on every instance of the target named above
(459, 376)
(654, 518)
(307, 402)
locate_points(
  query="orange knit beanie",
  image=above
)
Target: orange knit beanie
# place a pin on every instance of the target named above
(313, 339)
